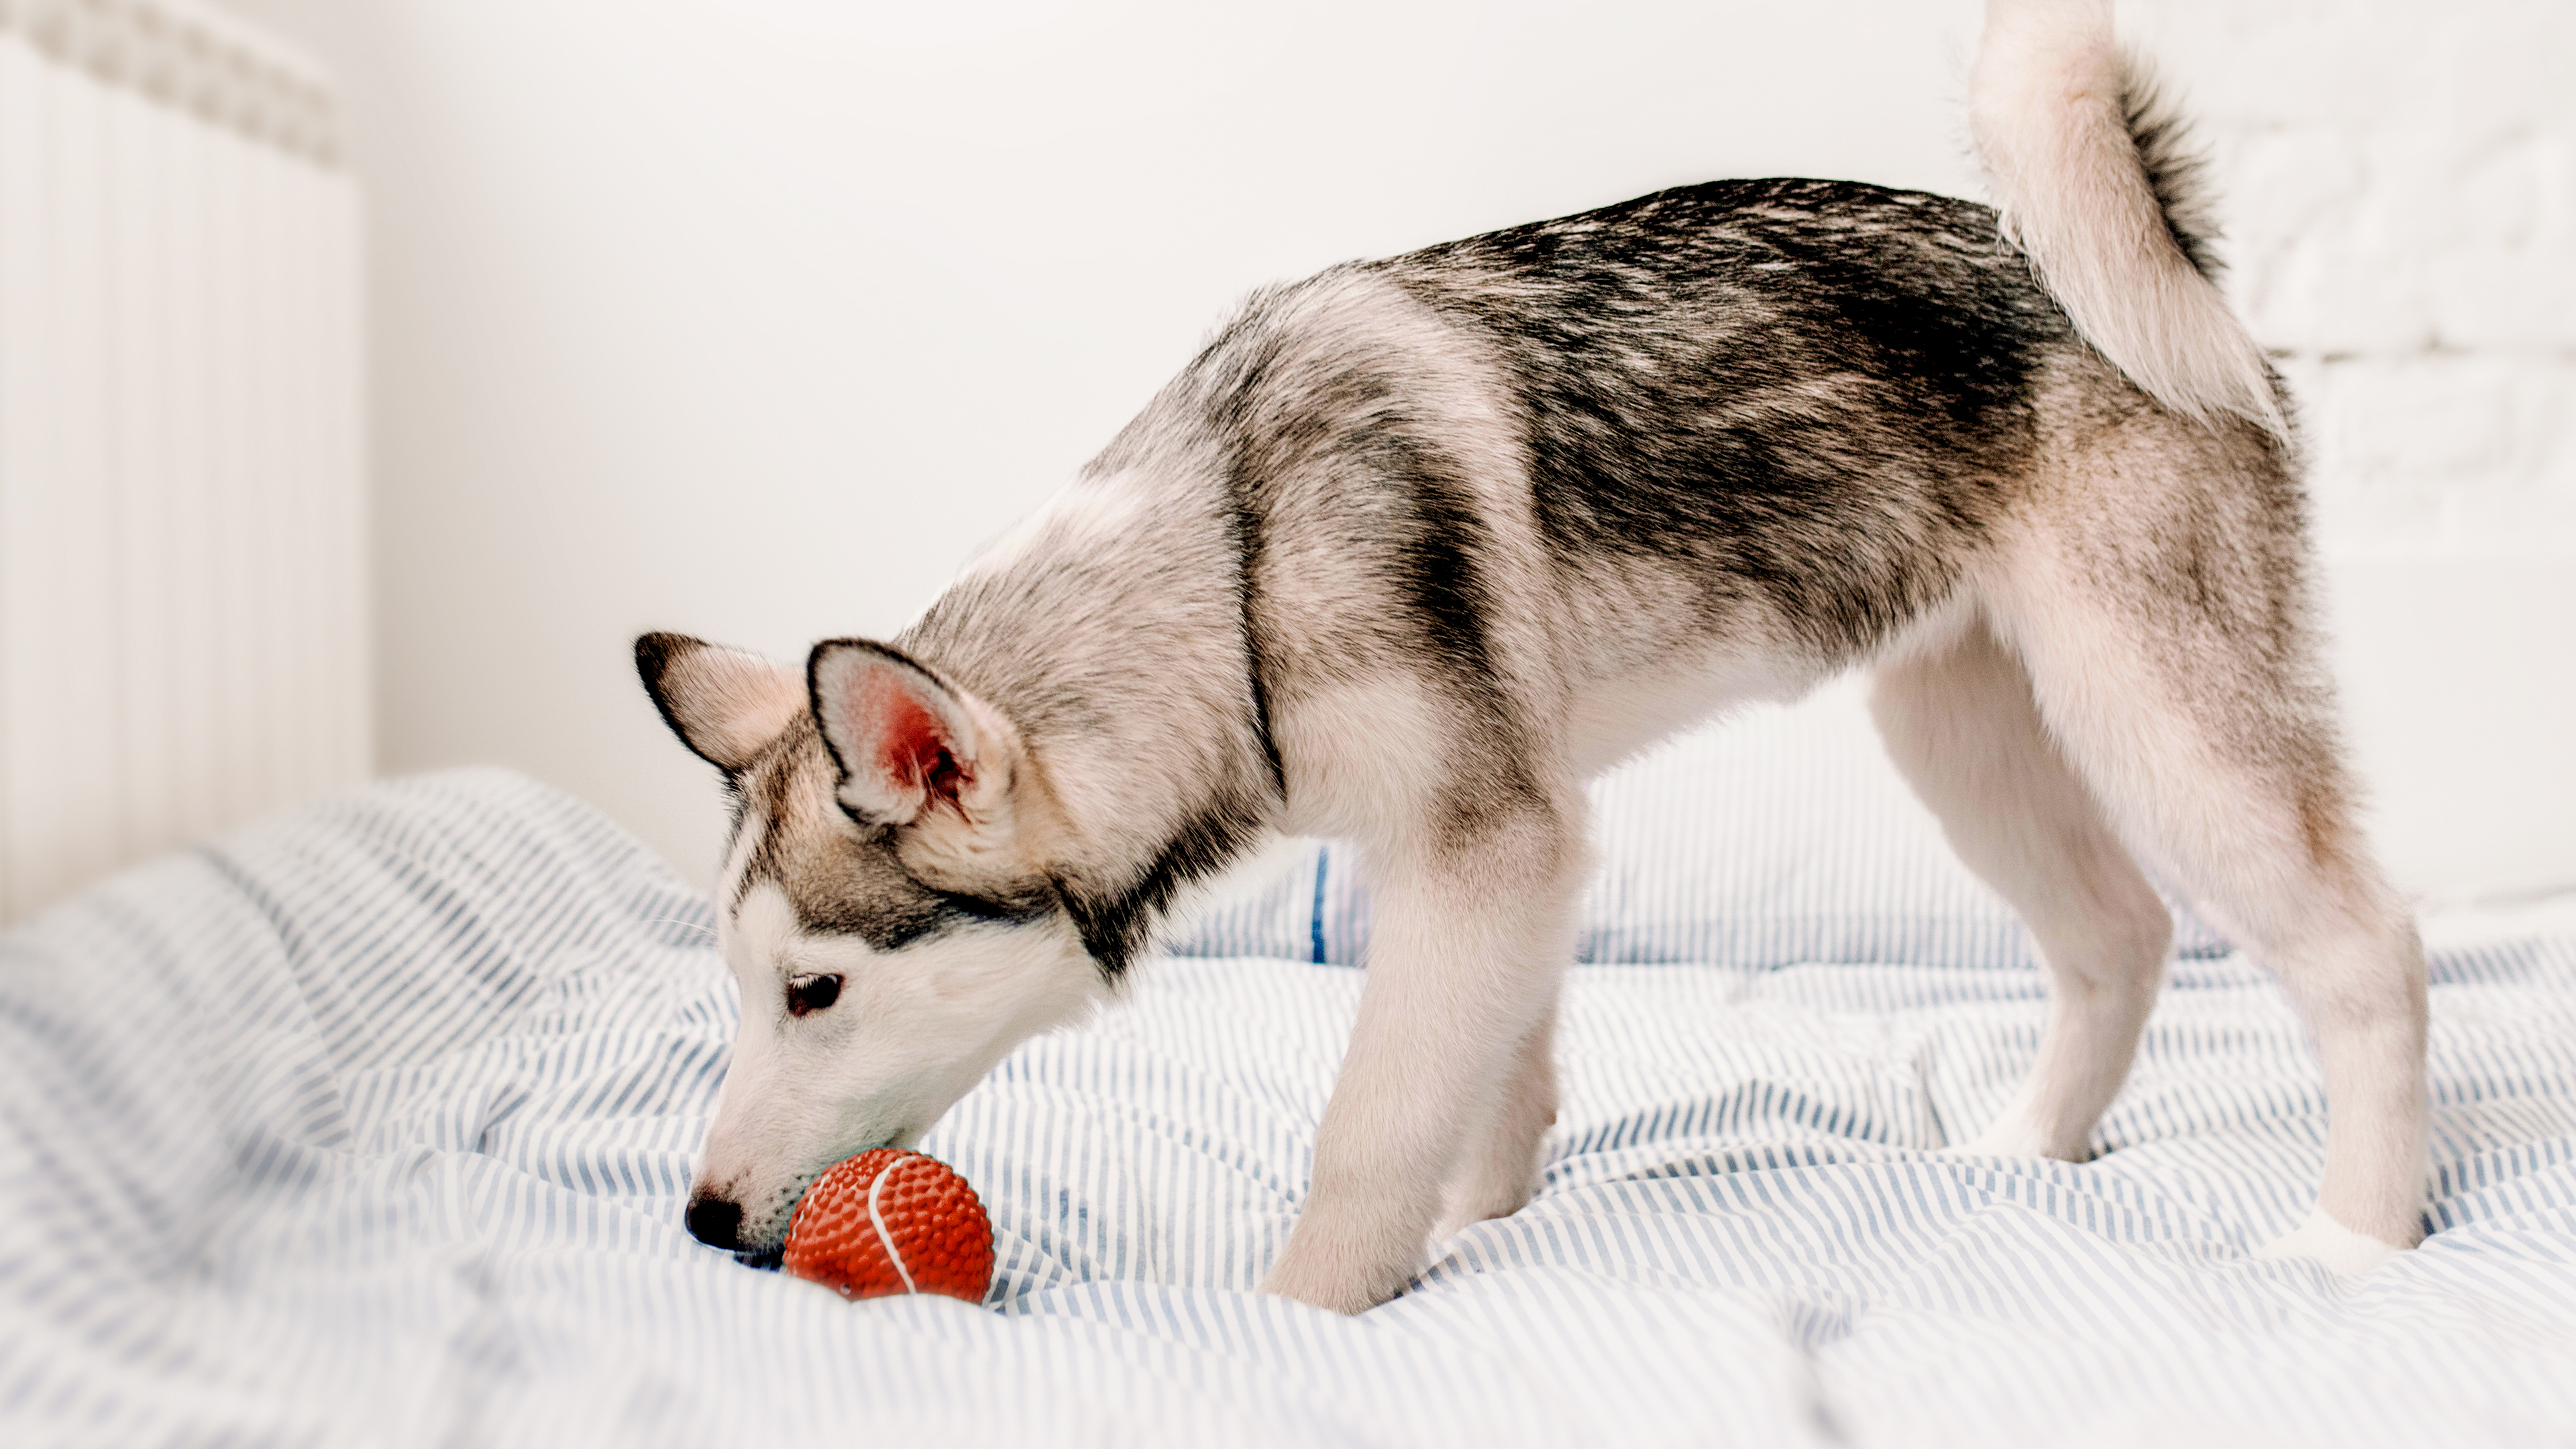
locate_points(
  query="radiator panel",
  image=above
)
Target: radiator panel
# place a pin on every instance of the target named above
(183, 609)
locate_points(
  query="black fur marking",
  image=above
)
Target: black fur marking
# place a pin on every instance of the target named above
(1246, 525)
(737, 808)
(2176, 172)
(1443, 582)
(871, 896)
(1797, 384)
(654, 653)
(839, 885)
(1117, 925)
(1288, 420)
(1357, 422)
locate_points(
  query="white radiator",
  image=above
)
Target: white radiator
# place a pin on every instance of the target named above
(183, 596)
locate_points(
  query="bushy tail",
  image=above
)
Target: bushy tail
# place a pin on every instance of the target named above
(2098, 190)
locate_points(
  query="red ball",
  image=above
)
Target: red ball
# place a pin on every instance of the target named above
(892, 1221)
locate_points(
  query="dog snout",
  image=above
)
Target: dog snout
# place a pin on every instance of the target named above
(716, 1222)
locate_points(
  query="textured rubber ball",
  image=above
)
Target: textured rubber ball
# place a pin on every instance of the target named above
(892, 1221)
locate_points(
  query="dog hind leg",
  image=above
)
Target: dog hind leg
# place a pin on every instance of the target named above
(2194, 712)
(1961, 725)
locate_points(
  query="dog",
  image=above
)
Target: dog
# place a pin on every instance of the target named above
(1415, 546)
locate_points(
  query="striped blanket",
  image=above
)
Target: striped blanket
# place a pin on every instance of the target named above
(372, 1124)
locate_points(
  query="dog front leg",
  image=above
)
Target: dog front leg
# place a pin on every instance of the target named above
(1465, 959)
(1500, 1173)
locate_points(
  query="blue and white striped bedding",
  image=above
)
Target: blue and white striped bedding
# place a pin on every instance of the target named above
(372, 1125)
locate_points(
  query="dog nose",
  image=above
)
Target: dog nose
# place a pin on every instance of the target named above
(715, 1222)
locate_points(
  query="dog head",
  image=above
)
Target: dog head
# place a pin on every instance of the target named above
(884, 905)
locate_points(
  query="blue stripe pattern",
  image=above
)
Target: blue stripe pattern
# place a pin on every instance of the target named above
(372, 1125)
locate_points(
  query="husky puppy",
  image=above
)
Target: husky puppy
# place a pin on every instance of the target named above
(1416, 546)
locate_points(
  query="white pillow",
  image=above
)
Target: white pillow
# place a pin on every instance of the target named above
(1782, 835)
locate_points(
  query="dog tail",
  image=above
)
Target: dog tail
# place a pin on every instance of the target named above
(2099, 189)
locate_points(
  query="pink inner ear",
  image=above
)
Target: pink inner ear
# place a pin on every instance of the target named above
(914, 749)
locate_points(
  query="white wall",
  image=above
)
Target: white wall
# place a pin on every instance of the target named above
(754, 317)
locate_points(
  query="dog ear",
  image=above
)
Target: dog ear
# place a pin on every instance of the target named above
(724, 704)
(912, 750)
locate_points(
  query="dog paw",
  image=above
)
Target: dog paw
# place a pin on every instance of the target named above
(1346, 1274)
(2330, 1244)
(1484, 1197)
(1325, 1288)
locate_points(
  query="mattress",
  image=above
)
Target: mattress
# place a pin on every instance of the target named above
(372, 1125)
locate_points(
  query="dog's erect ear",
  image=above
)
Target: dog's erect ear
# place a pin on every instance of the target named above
(723, 703)
(911, 749)
(918, 753)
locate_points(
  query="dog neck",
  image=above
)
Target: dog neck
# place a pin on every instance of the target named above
(1110, 630)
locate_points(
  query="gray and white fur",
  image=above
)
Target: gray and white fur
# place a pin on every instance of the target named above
(1416, 546)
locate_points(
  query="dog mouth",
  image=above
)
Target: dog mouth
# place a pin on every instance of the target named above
(767, 1256)
(771, 1258)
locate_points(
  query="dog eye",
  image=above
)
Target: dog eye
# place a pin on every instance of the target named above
(811, 993)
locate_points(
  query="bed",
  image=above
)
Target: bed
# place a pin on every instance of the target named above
(371, 1124)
